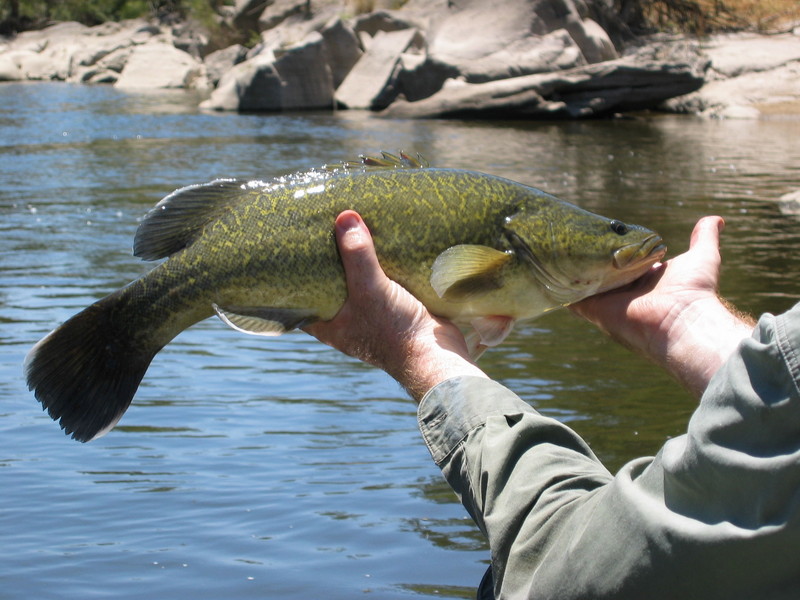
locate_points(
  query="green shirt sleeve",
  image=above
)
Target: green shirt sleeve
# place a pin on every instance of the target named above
(716, 514)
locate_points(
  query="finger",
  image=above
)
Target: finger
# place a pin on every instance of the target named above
(357, 251)
(706, 232)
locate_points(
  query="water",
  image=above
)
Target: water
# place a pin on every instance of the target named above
(252, 468)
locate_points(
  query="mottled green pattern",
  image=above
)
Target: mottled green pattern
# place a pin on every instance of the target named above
(264, 256)
(274, 246)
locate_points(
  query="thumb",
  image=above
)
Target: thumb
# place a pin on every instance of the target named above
(706, 232)
(357, 251)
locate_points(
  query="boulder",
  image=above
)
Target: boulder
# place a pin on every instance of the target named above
(105, 49)
(555, 51)
(421, 76)
(738, 54)
(508, 38)
(18, 65)
(750, 76)
(306, 80)
(367, 84)
(47, 54)
(187, 37)
(293, 78)
(10, 68)
(593, 41)
(381, 20)
(162, 65)
(277, 11)
(220, 62)
(789, 204)
(342, 49)
(73, 52)
(245, 14)
(252, 85)
(636, 81)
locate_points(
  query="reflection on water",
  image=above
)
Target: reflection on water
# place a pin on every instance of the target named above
(245, 464)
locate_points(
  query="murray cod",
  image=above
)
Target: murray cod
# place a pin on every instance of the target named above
(475, 248)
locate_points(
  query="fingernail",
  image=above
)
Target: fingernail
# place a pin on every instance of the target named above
(347, 221)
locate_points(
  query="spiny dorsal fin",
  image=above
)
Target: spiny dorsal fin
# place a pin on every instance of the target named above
(385, 161)
(177, 220)
(466, 270)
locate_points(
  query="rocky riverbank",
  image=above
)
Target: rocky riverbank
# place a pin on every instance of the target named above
(430, 58)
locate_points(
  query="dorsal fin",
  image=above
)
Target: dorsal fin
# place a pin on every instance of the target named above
(385, 161)
(177, 220)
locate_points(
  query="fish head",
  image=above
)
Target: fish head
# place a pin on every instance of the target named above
(574, 253)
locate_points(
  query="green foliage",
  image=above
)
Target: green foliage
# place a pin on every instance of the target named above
(24, 14)
(92, 12)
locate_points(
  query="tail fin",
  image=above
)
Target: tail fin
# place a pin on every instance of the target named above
(86, 372)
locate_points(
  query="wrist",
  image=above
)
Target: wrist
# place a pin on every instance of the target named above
(429, 362)
(699, 339)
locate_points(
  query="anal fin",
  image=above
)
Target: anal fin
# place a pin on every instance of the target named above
(259, 320)
(487, 332)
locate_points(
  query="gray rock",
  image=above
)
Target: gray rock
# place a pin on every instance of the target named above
(253, 85)
(246, 13)
(537, 54)
(98, 75)
(595, 44)
(750, 76)
(107, 47)
(10, 67)
(295, 26)
(47, 54)
(115, 60)
(277, 11)
(342, 49)
(509, 38)
(306, 80)
(789, 204)
(367, 84)
(636, 81)
(294, 78)
(421, 76)
(738, 54)
(381, 20)
(18, 65)
(73, 52)
(191, 40)
(220, 62)
(162, 65)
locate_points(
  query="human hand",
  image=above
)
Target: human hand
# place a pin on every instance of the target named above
(382, 324)
(673, 314)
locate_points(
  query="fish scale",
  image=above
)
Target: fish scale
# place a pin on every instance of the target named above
(479, 249)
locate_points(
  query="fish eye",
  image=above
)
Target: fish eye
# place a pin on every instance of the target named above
(618, 227)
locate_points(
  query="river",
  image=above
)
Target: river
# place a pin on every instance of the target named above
(252, 468)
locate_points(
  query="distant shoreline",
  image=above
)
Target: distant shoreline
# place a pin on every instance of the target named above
(327, 62)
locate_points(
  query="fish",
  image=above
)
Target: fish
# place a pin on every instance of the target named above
(475, 248)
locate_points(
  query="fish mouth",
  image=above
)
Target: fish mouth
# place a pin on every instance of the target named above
(649, 251)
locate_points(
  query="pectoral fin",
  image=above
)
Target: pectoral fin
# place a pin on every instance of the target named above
(463, 271)
(263, 321)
